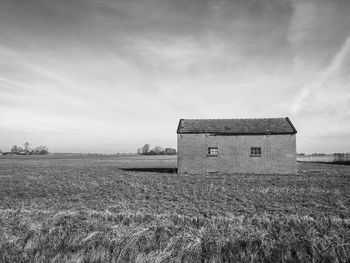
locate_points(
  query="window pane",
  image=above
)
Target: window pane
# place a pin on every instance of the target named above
(255, 151)
(212, 151)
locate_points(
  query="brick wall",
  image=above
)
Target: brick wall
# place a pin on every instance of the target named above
(278, 154)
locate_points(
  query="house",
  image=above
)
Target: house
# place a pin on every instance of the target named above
(259, 146)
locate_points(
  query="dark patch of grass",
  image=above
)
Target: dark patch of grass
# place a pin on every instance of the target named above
(152, 170)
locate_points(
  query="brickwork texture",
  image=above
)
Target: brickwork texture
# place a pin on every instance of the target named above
(278, 154)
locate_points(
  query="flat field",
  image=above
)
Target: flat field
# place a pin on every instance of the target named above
(70, 208)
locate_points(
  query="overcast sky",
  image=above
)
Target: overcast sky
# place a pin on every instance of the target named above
(111, 75)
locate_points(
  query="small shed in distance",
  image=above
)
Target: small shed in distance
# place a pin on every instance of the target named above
(259, 146)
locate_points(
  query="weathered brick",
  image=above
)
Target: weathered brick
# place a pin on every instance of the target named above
(278, 154)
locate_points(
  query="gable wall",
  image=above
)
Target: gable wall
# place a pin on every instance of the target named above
(278, 154)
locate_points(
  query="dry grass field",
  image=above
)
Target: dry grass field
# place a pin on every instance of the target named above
(87, 209)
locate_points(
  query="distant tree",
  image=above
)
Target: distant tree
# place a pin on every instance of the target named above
(170, 151)
(26, 147)
(41, 150)
(145, 148)
(20, 150)
(14, 149)
(157, 150)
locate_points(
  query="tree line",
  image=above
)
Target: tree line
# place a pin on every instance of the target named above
(26, 149)
(156, 150)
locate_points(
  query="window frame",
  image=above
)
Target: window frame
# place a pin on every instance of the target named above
(255, 152)
(213, 152)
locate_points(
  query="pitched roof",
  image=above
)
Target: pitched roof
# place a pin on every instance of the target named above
(237, 126)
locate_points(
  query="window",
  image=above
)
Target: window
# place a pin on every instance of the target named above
(212, 151)
(255, 151)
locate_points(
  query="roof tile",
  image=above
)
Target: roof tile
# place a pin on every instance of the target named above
(237, 126)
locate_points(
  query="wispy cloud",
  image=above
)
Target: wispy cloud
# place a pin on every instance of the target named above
(320, 39)
(324, 77)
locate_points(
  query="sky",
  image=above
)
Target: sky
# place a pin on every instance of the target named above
(108, 76)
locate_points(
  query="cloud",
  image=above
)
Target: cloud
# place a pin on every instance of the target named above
(104, 75)
(319, 36)
(324, 77)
